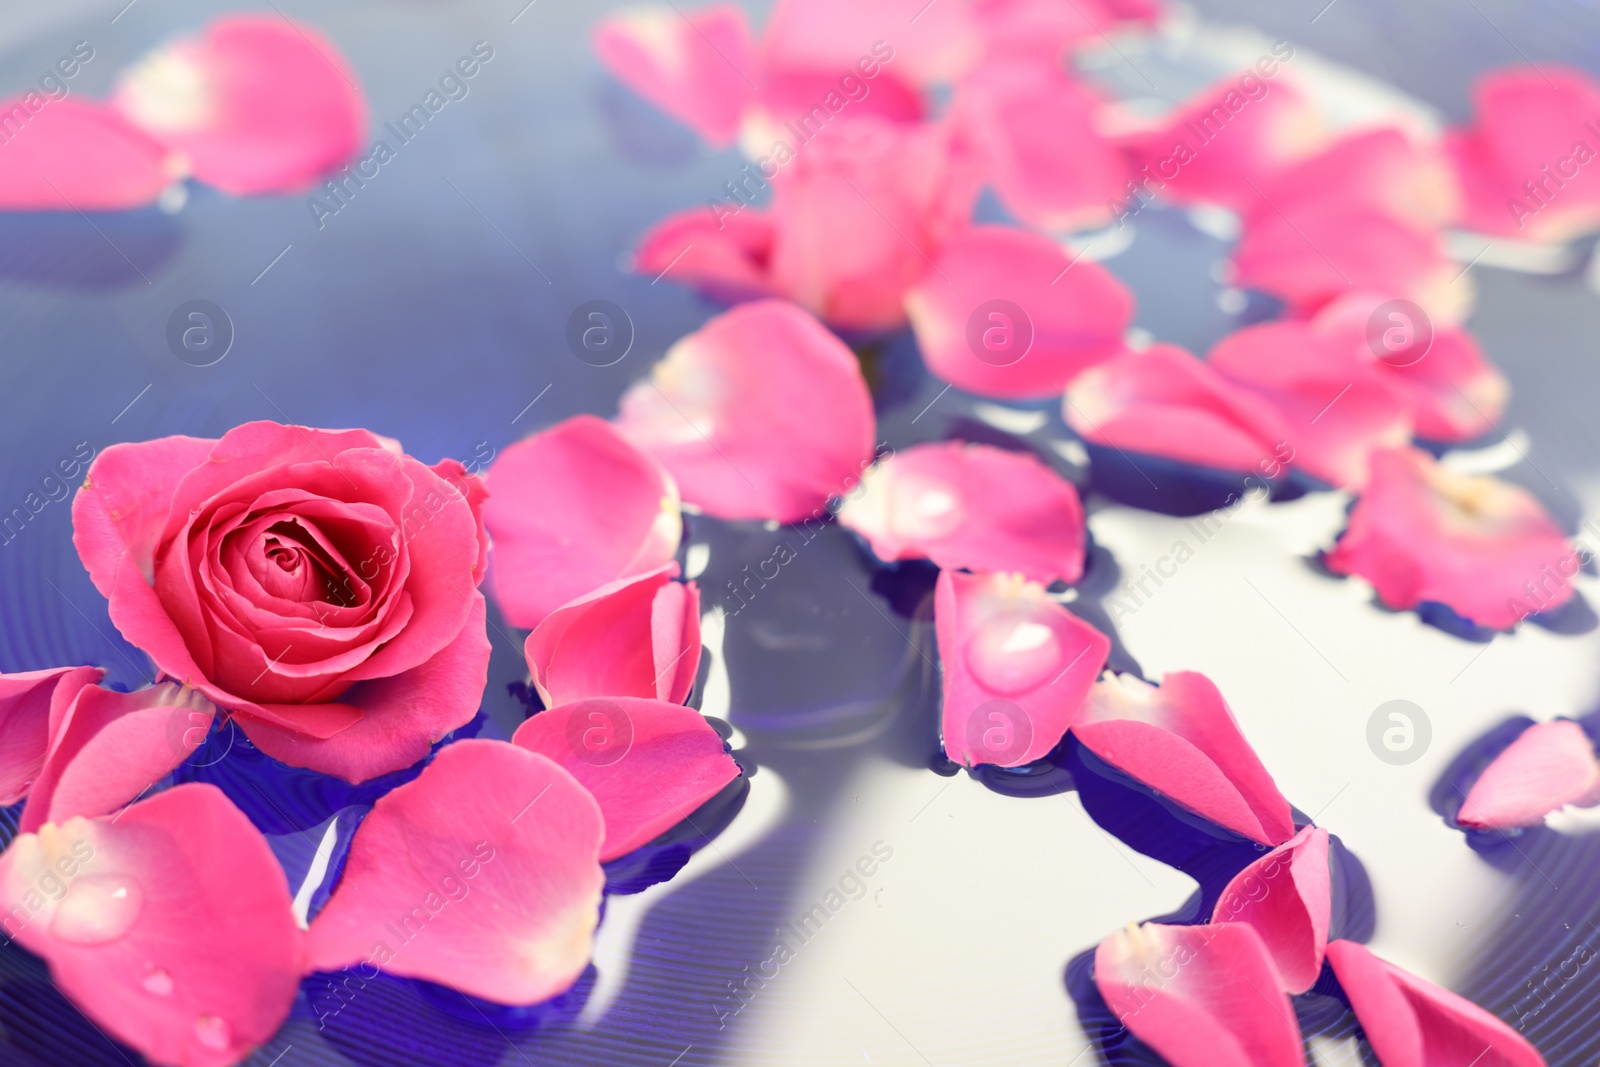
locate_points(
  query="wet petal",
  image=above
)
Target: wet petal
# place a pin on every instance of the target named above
(1007, 313)
(1201, 996)
(1337, 407)
(175, 932)
(1181, 739)
(1165, 402)
(760, 414)
(107, 748)
(75, 155)
(1016, 667)
(971, 506)
(1550, 766)
(636, 637)
(1285, 895)
(30, 703)
(1485, 548)
(258, 104)
(1413, 1023)
(650, 764)
(573, 508)
(697, 65)
(480, 874)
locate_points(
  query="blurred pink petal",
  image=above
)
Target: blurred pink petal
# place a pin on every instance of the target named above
(928, 42)
(481, 874)
(724, 253)
(1006, 313)
(1285, 895)
(1485, 548)
(1164, 402)
(109, 747)
(860, 216)
(759, 414)
(698, 65)
(175, 933)
(1551, 765)
(1336, 406)
(1181, 739)
(1038, 30)
(1310, 252)
(573, 508)
(1413, 1023)
(1016, 667)
(635, 637)
(1035, 128)
(1452, 392)
(1526, 164)
(75, 155)
(1238, 132)
(259, 104)
(971, 506)
(648, 763)
(1201, 996)
(31, 703)
(1381, 168)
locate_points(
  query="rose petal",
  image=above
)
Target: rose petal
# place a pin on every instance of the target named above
(635, 637)
(1485, 548)
(1413, 1023)
(75, 155)
(1201, 996)
(931, 45)
(697, 65)
(1007, 314)
(573, 508)
(1016, 667)
(31, 702)
(389, 723)
(1380, 168)
(109, 747)
(760, 414)
(1519, 163)
(1036, 128)
(1551, 765)
(175, 934)
(259, 104)
(648, 763)
(1181, 739)
(971, 506)
(1165, 402)
(480, 874)
(1286, 896)
(1337, 407)
(1213, 146)
(725, 252)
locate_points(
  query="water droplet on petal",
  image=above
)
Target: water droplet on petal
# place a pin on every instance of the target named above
(212, 1032)
(1012, 653)
(158, 983)
(98, 909)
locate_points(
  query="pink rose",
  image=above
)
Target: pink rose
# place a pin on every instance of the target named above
(320, 585)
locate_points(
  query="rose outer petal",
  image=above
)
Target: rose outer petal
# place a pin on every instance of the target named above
(176, 932)
(481, 874)
(650, 764)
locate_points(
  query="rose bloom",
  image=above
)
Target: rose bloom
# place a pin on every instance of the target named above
(320, 585)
